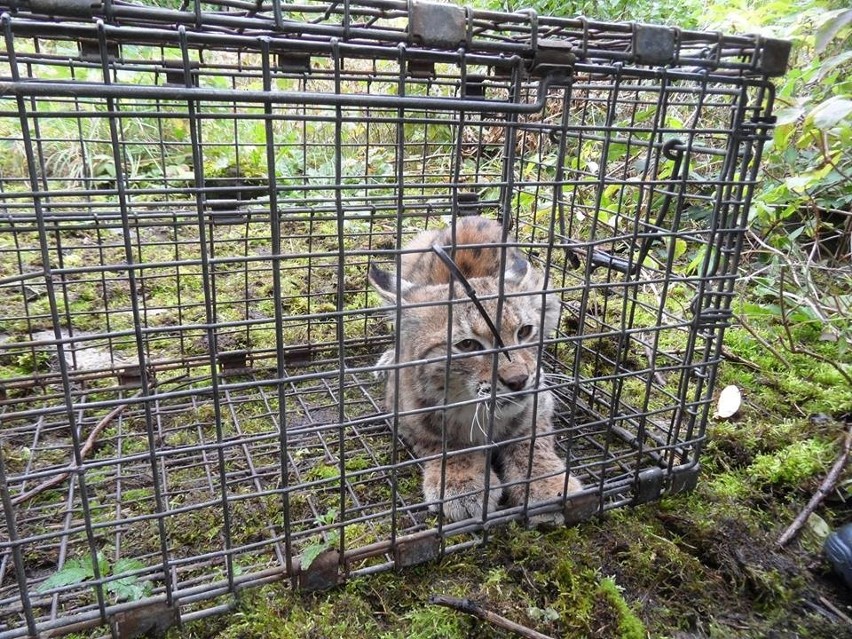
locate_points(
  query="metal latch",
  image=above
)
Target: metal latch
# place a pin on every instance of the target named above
(151, 620)
(294, 62)
(131, 376)
(773, 56)
(579, 508)
(322, 573)
(437, 25)
(653, 45)
(684, 479)
(233, 361)
(552, 54)
(420, 68)
(176, 74)
(648, 487)
(410, 552)
(468, 203)
(90, 50)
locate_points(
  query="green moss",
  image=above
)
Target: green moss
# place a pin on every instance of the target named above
(629, 626)
(137, 494)
(793, 464)
(801, 382)
(729, 486)
(358, 462)
(322, 471)
(272, 612)
(432, 622)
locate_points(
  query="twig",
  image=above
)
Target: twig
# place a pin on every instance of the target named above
(805, 300)
(837, 611)
(800, 350)
(88, 445)
(473, 608)
(763, 342)
(733, 357)
(649, 353)
(824, 489)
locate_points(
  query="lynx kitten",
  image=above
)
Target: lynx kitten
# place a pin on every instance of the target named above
(435, 403)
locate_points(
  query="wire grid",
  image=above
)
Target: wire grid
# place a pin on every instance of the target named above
(189, 403)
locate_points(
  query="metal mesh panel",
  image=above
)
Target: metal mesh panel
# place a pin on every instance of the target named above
(191, 196)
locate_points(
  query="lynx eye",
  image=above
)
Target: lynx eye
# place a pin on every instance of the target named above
(525, 332)
(468, 346)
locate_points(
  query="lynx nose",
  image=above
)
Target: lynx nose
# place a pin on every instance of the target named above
(515, 382)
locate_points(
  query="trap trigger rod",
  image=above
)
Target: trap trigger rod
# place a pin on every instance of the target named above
(471, 293)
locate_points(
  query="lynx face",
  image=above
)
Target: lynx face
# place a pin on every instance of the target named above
(468, 377)
(457, 387)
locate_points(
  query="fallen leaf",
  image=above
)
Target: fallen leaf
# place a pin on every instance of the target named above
(729, 402)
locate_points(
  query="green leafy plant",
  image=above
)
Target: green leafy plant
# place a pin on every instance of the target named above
(325, 542)
(809, 162)
(799, 242)
(77, 571)
(34, 361)
(685, 14)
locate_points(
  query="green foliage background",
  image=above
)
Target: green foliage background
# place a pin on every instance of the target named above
(796, 269)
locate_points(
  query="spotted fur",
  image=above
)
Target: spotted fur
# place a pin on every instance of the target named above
(454, 409)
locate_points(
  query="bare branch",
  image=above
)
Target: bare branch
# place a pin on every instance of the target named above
(88, 445)
(763, 342)
(801, 350)
(473, 608)
(824, 489)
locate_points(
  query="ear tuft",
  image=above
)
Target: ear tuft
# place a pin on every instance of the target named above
(517, 269)
(382, 280)
(385, 283)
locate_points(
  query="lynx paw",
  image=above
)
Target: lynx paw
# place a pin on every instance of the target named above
(463, 497)
(466, 506)
(546, 490)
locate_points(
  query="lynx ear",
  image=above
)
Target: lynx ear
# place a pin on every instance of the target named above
(518, 271)
(551, 313)
(522, 277)
(386, 284)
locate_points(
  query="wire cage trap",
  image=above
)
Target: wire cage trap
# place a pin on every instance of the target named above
(192, 395)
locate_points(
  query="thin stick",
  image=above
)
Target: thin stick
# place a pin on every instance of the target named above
(658, 376)
(801, 350)
(88, 445)
(824, 489)
(473, 608)
(733, 357)
(763, 342)
(837, 611)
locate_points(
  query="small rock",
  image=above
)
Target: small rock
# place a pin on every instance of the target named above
(820, 419)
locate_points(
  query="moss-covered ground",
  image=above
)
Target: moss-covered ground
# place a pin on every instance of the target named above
(703, 564)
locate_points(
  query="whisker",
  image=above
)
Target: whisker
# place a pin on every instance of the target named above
(557, 376)
(486, 409)
(475, 422)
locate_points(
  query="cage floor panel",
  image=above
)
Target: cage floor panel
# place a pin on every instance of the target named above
(218, 504)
